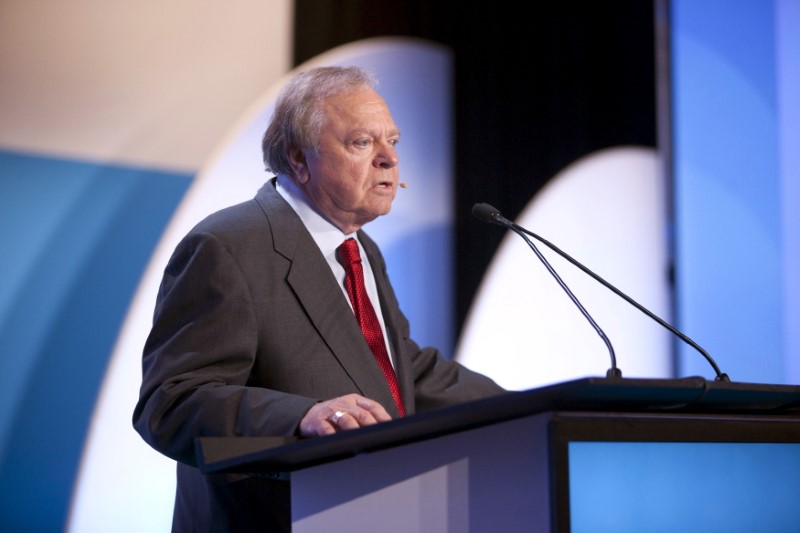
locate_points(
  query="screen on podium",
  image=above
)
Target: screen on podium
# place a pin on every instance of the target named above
(683, 486)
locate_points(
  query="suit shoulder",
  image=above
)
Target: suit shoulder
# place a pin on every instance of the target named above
(240, 218)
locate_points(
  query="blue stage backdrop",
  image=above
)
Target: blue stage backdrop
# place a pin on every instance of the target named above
(74, 238)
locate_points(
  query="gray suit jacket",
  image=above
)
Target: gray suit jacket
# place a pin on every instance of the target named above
(250, 329)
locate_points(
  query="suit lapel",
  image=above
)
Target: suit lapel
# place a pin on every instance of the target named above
(324, 302)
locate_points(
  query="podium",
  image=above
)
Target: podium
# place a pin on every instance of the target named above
(593, 454)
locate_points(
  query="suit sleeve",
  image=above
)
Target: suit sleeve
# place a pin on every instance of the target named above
(199, 356)
(441, 382)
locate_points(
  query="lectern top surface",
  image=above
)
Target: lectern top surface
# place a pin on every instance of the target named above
(686, 396)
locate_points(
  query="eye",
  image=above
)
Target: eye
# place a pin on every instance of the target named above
(394, 142)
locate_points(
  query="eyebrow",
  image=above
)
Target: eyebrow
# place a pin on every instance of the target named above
(371, 132)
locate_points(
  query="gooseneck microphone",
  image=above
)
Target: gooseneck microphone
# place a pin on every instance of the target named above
(487, 213)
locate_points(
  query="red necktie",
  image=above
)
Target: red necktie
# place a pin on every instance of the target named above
(365, 313)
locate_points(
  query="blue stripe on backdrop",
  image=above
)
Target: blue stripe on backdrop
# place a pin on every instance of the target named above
(728, 187)
(75, 238)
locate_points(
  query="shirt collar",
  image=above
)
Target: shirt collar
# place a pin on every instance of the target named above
(327, 236)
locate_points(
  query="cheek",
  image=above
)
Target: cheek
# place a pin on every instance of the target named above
(342, 186)
(344, 179)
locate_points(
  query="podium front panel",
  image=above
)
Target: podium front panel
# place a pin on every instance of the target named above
(484, 479)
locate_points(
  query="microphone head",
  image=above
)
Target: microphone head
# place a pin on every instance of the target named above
(486, 213)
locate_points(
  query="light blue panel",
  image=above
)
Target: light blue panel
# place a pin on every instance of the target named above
(642, 487)
(409, 260)
(74, 240)
(727, 188)
(787, 15)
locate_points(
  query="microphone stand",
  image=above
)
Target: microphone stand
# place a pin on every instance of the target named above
(721, 376)
(612, 372)
(487, 213)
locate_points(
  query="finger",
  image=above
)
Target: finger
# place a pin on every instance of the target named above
(336, 417)
(365, 410)
(314, 424)
(375, 409)
(342, 420)
(352, 418)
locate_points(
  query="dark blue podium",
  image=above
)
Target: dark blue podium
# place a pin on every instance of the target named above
(593, 454)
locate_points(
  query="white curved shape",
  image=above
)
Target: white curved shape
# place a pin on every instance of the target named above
(123, 484)
(607, 211)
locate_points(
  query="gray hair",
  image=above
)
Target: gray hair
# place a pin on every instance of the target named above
(297, 119)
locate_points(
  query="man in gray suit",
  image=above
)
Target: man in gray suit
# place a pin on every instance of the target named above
(253, 332)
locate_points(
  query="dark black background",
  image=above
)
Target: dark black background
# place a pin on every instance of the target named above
(538, 86)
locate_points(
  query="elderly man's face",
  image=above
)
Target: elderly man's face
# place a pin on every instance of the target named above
(354, 177)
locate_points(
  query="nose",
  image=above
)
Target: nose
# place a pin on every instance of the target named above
(386, 156)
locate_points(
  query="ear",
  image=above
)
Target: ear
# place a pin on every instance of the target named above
(297, 159)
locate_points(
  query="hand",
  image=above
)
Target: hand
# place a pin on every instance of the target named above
(345, 412)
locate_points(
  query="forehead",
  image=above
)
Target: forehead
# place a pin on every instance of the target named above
(362, 107)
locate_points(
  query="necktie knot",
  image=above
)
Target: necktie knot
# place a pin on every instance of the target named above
(348, 252)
